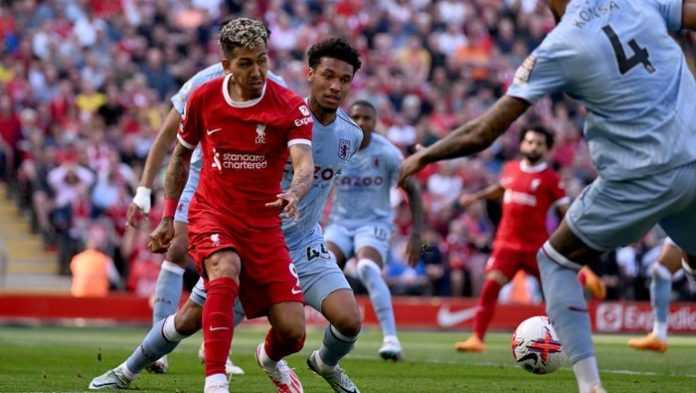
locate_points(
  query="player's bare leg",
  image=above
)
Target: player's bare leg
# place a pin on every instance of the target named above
(169, 283)
(343, 314)
(286, 336)
(336, 253)
(223, 269)
(370, 269)
(560, 259)
(669, 261)
(495, 280)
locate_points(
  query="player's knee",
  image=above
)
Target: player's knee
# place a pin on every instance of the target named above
(293, 332)
(178, 251)
(223, 264)
(189, 319)
(350, 327)
(497, 276)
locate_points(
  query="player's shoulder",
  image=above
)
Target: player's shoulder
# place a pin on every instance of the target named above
(551, 173)
(347, 123)
(385, 145)
(283, 96)
(511, 166)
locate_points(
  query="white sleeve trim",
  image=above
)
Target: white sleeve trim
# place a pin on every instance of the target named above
(299, 141)
(561, 201)
(183, 142)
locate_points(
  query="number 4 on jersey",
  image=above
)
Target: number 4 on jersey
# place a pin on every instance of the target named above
(640, 55)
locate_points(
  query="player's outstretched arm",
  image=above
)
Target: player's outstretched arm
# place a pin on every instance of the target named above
(469, 138)
(493, 192)
(174, 182)
(689, 14)
(163, 142)
(302, 180)
(413, 252)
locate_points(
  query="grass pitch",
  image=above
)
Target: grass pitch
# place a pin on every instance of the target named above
(52, 359)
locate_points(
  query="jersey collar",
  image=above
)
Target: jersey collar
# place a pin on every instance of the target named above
(524, 167)
(239, 104)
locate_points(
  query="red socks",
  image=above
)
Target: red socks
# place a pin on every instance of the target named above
(218, 323)
(278, 347)
(484, 315)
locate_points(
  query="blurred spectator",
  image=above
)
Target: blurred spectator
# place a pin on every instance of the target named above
(93, 271)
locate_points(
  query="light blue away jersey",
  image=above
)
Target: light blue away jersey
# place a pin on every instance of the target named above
(616, 57)
(200, 78)
(362, 189)
(332, 146)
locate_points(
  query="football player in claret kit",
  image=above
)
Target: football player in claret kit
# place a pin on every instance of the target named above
(618, 59)
(529, 189)
(361, 220)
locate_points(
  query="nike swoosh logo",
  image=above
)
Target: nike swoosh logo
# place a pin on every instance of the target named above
(213, 329)
(211, 132)
(447, 318)
(296, 291)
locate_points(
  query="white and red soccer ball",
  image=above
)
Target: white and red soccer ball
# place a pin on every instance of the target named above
(536, 347)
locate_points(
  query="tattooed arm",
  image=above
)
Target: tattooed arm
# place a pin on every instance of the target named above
(469, 138)
(174, 182)
(302, 180)
(177, 172)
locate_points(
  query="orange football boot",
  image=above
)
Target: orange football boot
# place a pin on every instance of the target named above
(472, 344)
(648, 343)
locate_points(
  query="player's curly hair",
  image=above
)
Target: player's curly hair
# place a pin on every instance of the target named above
(242, 33)
(548, 134)
(336, 48)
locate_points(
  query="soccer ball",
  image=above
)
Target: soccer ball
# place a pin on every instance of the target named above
(536, 347)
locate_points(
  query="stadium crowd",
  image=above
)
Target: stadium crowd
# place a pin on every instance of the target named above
(85, 84)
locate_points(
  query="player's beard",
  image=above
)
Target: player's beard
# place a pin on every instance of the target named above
(532, 158)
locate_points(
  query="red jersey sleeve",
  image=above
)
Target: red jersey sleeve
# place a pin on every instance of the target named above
(301, 124)
(191, 126)
(558, 194)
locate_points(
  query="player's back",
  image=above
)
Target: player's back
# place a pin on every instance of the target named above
(363, 188)
(333, 145)
(617, 58)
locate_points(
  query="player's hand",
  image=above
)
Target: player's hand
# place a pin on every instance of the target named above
(287, 201)
(414, 249)
(138, 207)
(162, 236)
(412, 164)
(466, 200)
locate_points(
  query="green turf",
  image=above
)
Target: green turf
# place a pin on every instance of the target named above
(66, 359)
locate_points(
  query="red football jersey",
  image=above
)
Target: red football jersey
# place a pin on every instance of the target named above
(529, 193)
(245, 147)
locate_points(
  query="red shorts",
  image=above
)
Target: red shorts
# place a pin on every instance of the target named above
(509, 262)
(267, 277)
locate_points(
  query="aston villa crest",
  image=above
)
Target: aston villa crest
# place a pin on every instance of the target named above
(343, 148)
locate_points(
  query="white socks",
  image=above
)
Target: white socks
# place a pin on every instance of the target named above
(587, 374)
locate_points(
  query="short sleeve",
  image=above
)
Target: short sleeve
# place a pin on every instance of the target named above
(179, 99)
(190, 128)
(538, 75)
(396, 158)
(671, 11)
(301, 126)
(558, 194)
